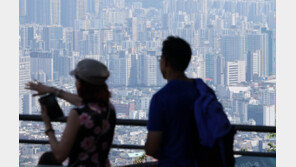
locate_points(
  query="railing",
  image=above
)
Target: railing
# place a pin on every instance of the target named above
(130, 122)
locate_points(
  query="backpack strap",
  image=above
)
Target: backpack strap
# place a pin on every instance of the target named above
(206, 97)
(200, 86)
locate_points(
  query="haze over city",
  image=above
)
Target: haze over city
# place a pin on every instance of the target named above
(233, 44)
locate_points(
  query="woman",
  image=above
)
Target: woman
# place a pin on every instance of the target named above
(89, 131)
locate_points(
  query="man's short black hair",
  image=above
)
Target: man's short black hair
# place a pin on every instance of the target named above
(177, 52)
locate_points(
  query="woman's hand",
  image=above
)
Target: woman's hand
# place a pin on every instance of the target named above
(39, 88)
(43, 89)
(45, 118)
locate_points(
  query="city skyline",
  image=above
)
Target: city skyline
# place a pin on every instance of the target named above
(233, 46)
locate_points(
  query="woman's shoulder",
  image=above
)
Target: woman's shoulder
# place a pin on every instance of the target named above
(112, 109)
(111, 114)
(111, 106)
(79, 109)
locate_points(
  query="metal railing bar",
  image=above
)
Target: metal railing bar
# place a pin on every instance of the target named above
(255, 128)
(256, 154)
(140, 147)
(38, 118)
(132, 122)
(27, 141)
(145, 164)
(118, 146)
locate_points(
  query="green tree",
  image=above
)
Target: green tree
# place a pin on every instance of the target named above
(243, 149)
(141, 159)
(272, 146)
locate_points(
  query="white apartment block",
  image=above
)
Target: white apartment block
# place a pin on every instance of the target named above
(236, 72)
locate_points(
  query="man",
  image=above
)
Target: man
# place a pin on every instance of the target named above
(171, 129)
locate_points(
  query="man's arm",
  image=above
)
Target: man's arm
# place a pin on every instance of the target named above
(155, 127)
(153, 142)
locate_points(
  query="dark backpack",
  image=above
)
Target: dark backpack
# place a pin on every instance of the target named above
(214, 147)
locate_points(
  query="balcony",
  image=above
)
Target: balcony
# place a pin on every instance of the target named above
(243, 158)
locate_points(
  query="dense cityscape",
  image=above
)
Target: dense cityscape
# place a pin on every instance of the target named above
(232, 41)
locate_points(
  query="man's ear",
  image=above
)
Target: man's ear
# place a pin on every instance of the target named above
(165, 62)
(78, 84)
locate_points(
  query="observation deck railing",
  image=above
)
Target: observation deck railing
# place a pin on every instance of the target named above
(131, 122)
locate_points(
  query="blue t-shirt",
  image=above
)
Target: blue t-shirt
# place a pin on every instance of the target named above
(171, 111)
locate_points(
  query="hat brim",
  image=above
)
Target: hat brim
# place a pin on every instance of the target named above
(73, 72)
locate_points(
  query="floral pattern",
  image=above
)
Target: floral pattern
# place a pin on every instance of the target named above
(95, 107)
(89, 124)
(83, 156)
(94, 138)
(97, 130)
(84, 118)
(104, 145)
(87, 142)
(106, 126)
(94, 158)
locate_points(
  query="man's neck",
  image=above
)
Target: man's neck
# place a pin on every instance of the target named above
(177, 76)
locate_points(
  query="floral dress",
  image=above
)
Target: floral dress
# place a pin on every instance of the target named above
(94, 138)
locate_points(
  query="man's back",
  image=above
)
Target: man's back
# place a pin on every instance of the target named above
(171, 111)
